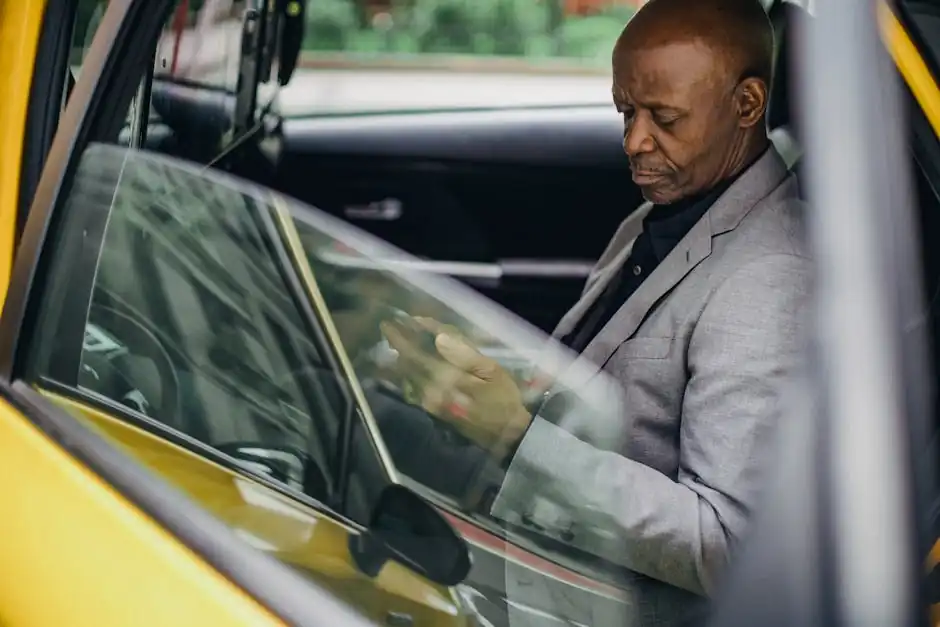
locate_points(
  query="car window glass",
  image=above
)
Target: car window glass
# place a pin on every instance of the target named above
(366, 284)
(201, 42)
(192, 320)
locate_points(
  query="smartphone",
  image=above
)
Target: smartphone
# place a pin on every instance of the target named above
(413, 331)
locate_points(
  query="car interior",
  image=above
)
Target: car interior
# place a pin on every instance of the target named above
(491, 195)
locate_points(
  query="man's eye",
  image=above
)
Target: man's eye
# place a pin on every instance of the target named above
(666, 122)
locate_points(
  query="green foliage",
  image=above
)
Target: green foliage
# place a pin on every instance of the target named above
(331, 25)
(522, 28)
(590, 37)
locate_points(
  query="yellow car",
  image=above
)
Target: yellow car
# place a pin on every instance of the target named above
(223, 400)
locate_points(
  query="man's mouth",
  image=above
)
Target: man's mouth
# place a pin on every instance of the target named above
(646, 177)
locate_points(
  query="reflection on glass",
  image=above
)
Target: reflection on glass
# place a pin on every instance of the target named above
(193, 323)
(419, 401)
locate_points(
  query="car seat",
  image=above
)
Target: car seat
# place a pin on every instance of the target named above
(783, 126)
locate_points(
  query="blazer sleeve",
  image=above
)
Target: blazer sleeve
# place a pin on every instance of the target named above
(746, 345)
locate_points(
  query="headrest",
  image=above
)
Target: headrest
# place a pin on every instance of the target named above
(788, 19)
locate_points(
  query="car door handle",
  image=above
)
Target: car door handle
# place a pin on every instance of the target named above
(385, 210)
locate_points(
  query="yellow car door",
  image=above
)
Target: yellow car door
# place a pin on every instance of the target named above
(76, 547)
(119, 515)
(21, 25)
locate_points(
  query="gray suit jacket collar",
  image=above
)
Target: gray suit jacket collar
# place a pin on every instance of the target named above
(755, 184)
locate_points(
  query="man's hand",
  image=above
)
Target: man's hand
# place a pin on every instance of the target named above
(466, 389)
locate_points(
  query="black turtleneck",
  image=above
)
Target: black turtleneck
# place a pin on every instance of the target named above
(663, 228)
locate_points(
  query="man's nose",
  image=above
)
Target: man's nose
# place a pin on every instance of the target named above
(637, 138)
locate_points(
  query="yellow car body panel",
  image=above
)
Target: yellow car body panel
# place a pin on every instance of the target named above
(74, 552)
(20, 27)
(911, 65)
(313, 543)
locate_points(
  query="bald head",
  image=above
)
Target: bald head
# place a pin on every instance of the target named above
(691, 78)
(739, 30)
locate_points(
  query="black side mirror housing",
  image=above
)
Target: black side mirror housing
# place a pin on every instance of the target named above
(409, 530)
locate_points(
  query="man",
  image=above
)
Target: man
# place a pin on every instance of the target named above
(696, 307)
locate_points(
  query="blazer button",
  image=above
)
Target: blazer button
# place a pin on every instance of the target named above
(637, 270)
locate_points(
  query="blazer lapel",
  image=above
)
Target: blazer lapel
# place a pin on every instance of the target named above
(753, 185)
(607, 269)
(693, 248)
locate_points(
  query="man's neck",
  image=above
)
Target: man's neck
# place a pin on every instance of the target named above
(755, 152)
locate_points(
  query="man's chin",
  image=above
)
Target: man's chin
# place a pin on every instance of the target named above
(657, 195)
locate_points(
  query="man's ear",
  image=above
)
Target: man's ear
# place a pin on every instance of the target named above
(751, 101)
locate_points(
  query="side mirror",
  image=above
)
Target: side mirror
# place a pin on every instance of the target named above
(409, 530)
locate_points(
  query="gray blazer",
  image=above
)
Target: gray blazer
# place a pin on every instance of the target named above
(701, 350)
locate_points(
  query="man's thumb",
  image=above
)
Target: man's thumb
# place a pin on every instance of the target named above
(462, 355)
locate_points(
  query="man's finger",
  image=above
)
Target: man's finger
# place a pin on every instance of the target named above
(436, 327)
(407, 350)
(463, 356)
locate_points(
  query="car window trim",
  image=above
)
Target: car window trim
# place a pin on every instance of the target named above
(308, 283)
(46, 98)
(110, 76)
(273, 221)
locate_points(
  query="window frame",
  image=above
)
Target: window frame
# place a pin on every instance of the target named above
(46, 97)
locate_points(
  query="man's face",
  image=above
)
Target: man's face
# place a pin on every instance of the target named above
(680, 122)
